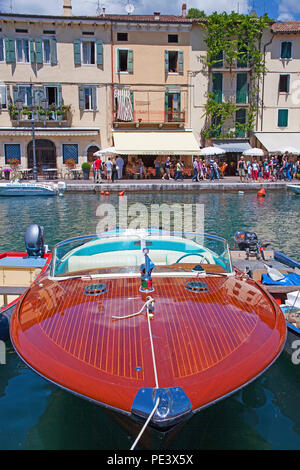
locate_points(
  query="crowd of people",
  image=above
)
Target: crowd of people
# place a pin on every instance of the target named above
(271, 168)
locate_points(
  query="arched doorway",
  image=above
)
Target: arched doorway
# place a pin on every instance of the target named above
(45, 154)
(90, 153)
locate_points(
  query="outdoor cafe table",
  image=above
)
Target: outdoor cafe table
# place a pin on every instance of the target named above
(51, 173)
(25, 172)
(76, 173)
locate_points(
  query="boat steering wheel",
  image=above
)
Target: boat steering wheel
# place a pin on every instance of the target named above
(192, 254)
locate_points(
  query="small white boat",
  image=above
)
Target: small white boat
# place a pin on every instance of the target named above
(294, 187)
(32, 189)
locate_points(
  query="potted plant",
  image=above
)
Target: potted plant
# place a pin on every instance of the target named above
(7, 172)
(86, 166)
(14, 113)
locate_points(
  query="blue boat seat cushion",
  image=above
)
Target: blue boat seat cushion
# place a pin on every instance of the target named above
(291, 279)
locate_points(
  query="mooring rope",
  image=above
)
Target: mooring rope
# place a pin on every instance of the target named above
(147, 304)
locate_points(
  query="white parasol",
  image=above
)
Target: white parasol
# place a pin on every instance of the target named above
(254, 152)
(291, 150)
(212, 151)
(107, 151)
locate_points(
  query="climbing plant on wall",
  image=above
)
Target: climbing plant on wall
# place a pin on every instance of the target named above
(232, 40)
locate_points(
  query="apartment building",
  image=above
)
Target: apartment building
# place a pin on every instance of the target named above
(56, 86)
(278, 124)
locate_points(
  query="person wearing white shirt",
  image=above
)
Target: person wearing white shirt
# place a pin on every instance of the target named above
(108, 165)
(120, 165)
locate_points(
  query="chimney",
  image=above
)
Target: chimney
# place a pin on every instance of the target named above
(156, 15)
(184, 10)
(67, 8)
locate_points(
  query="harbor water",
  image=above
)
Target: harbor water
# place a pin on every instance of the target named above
(36, 415)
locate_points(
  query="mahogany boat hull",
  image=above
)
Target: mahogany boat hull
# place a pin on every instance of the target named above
(206, 344)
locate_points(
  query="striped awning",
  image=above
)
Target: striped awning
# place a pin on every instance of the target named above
(233, 146)
(124, 104)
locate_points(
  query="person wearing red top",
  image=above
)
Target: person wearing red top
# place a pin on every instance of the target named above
(98, 166)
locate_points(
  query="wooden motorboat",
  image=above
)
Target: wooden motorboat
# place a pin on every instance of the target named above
(152, 325)
(18, 270)
(295, 188)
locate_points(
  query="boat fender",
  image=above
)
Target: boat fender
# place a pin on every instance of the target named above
(102, 191)
(261, 192)
(5, 317)
(106, 193)
(121, 193)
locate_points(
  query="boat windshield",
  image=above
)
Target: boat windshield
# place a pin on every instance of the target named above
(124, 251)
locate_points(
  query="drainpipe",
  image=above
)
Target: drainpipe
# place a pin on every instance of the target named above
(263, 84)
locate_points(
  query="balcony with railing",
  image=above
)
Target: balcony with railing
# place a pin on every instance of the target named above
(47, 115)
(143, 117)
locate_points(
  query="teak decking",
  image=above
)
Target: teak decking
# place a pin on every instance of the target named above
(209, 343)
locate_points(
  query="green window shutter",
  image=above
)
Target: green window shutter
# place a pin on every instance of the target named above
(38, 51)
(288, 78)
(166, 61)
(99, 45)
(59, 96)
(166, 101)
(81, 97)
(10, 53)
(241, 87)
(132, 99)
(180, 61)
(31, 49)
(77, 52)
(94, 98)
(130, 61)
(240, 118)
(283, 117)
(53, 51)
(217, 81)
(15, 93)
(286, 50)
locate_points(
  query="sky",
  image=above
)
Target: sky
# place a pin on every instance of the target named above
(281, 10)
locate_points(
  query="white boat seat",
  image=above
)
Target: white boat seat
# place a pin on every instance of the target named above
(127, 258)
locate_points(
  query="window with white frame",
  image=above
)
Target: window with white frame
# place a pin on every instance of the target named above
(46, 51)
(88, 52)
(87, 97)
(23, 93)
(22, 50)
(3, 96)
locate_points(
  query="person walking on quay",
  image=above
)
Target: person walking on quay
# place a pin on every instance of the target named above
(266, 169)
(241, 169)
(249, 171)
(114, 172)
(201, 169)
(255, 169)
(98, 167)
(108, 165)
(167, 169)
(156, 166)
(120, 166)
(196, 169)
(178, 173)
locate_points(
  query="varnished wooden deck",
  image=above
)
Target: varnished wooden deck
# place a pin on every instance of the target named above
(209, 343)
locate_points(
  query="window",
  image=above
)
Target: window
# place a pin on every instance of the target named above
(122, 36)
(173, 106)
(284, 84)
(46, 51)
(242, 60)
(241, 87)
(283, 117)
(217, 86)
(23, 93)
(88, 52)
(12, 151)
(286, 50)
(218, 59)
(172, 37)
(125, 60)
(173, 61)
(87, 98)
(53, 95)
(3, 97)
(70, 151)
(1, 50)
(240, 121)
(22, 48)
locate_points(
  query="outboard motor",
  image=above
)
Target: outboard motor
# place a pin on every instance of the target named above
(34, 240)
(248, 242)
